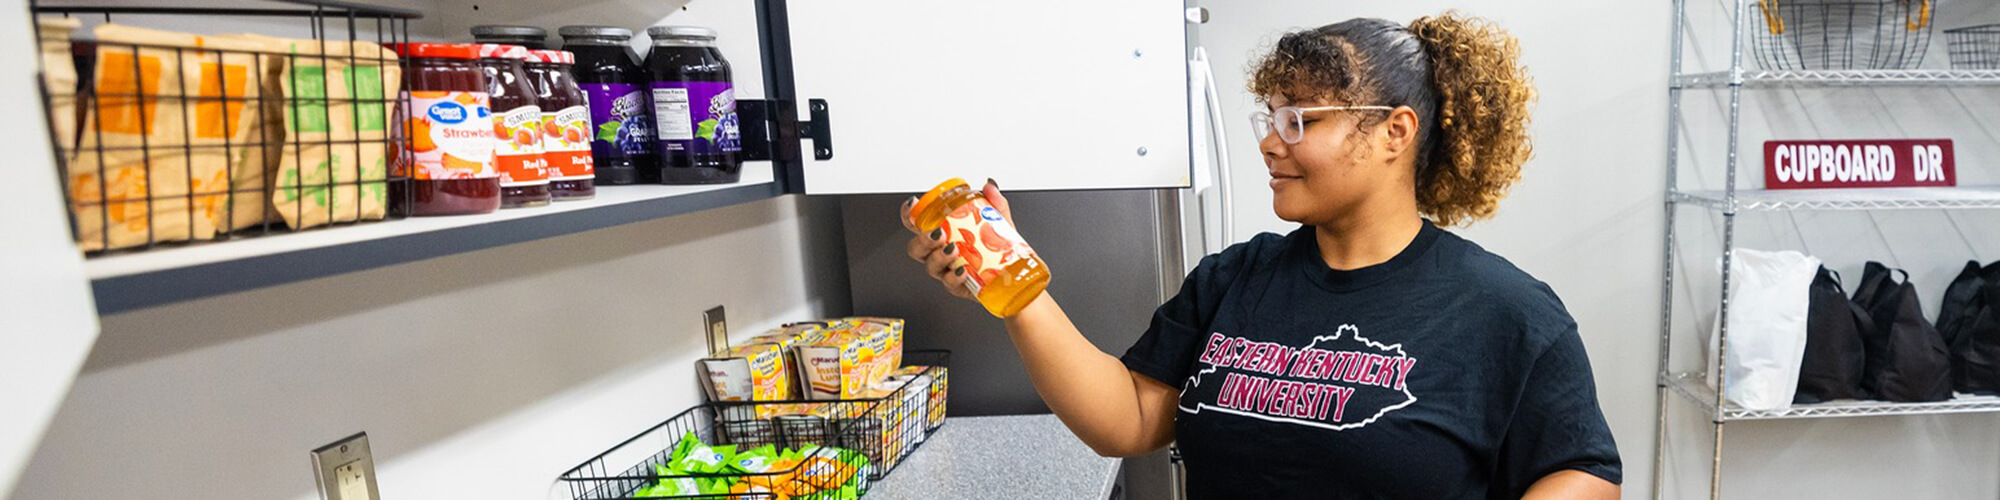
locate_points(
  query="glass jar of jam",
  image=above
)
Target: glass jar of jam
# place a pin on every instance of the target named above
(565, 125)
(526, 36)
(1001, 270)
(694, 105)
(621, 112)
(517, 127)
(448, 124)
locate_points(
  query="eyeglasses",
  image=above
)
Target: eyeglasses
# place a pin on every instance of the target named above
(1290, 121)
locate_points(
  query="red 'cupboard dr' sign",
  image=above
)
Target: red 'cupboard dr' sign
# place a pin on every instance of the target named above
(1859, 163)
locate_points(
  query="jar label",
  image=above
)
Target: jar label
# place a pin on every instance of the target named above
(565, 145)
(619, 113)
(986, 242)
(696, 118)
(517, 150)
(451, 135)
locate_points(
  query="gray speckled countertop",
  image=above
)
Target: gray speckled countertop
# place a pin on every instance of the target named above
(1025, 456)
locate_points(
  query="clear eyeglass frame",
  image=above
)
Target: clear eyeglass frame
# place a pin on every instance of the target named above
(1290, 121)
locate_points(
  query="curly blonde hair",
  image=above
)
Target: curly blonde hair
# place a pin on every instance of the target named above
(1461, 75)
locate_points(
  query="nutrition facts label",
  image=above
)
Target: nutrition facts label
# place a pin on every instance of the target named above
(670, 108)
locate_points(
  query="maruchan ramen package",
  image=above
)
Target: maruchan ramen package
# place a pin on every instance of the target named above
(790, 334)
(902, 411)
(940, 381)
(748, 372)
(848, 358)
(332, 117)
(162, 140)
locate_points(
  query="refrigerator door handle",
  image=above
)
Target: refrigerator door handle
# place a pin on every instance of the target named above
(1225, 193)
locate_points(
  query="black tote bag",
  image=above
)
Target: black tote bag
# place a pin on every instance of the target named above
(1959, 300)
(1834, 358)
(1906, 359)
(1970, 324)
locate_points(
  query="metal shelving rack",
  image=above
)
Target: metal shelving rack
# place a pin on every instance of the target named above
(1693, 387)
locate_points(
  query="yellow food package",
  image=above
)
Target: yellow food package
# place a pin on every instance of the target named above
(787, 335)
(162, 137)
(846, 362)
(747, 372)
(940, 383)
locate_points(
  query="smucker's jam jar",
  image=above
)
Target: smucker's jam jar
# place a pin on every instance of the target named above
(449, 125)
(621, 112)
(526, 36)
(1001, 270)
(694, 104)
(565, 125)
(517, 127)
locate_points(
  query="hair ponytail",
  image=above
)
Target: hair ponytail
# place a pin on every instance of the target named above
(1481, 136)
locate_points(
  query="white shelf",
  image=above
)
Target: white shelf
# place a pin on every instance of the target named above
(1843, 78)
(1696, 390)
(1962, 197)
(140, 279)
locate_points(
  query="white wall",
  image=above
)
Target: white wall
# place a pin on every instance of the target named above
(1587, 218)
(50, 318)
(482, 375)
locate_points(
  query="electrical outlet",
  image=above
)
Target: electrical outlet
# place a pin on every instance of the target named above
(345, 470)
(718, 330)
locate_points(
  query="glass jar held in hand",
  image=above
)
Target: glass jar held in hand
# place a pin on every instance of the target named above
(963, 237)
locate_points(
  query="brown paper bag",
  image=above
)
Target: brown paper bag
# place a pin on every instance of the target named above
(332, 116)
(59, 79)
(249, 149)
(158, 147)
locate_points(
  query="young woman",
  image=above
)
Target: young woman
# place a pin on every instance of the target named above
(1369, 353)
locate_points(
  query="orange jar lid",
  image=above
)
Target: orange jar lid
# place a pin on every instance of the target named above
(437, 50)
(931, 197)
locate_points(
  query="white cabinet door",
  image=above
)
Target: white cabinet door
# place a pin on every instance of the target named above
(48, 320)
(1038, 94)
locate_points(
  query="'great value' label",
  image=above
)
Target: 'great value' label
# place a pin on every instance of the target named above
(451, 135)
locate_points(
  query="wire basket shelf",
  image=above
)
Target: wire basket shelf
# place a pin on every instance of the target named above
(164, 138)
(1974, 47)
(1884, 34)
(882, 430)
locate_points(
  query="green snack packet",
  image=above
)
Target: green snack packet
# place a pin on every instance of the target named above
(755, 461)
(682, 449)
(670, 486)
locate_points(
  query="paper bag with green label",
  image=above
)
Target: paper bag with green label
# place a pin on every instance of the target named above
(163, 139)
(333, 121)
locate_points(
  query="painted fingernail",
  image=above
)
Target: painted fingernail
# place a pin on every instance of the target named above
(958, 272)
(937, 234)
(950, 249)
(994, 183)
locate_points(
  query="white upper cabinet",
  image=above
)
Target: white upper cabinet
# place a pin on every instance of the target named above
(1038, 94)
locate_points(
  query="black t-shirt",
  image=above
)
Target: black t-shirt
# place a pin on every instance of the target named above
(1445, 372)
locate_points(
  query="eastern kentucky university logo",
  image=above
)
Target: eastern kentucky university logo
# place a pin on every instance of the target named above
(1339, 381)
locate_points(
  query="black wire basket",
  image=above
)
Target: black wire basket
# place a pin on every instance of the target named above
(880, 431)
(1790, 35)
(168, 138)
(1974, 47)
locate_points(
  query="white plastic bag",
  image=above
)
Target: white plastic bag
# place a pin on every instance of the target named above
(1768, 299)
